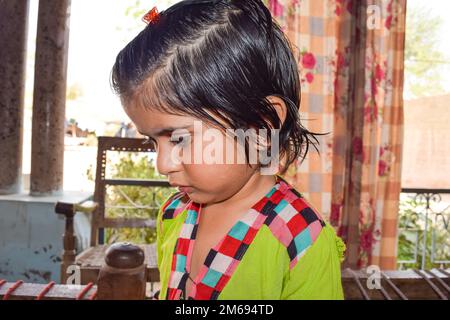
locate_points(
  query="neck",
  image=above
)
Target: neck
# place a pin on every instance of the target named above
(254, 189)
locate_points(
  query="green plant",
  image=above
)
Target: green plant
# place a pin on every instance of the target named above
(133, 201)
(411, 234)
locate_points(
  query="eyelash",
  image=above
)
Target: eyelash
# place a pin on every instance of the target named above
(181, 139)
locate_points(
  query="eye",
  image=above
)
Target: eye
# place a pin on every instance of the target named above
(180, 140)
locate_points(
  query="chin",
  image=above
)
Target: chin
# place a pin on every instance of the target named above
(194, 196)
(200, 198)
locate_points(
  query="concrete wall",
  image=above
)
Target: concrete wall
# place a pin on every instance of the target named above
(31, 236)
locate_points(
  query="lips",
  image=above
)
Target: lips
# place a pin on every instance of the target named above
(185, 189)
(181, 188)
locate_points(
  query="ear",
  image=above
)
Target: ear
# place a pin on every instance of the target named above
(280, 107)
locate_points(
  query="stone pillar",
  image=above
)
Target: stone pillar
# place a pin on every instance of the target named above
(13, 44)
(47, 151)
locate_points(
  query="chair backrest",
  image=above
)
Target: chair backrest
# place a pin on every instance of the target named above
(99, 221)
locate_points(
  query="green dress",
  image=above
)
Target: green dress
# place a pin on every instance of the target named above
(280, 249)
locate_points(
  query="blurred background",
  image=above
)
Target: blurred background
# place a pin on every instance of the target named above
(374, 73)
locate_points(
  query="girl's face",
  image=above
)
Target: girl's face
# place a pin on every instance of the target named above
(178, 144)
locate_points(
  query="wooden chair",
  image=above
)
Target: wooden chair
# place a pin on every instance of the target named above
(90, 260)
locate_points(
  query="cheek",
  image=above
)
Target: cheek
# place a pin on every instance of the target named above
(218, 179)
(220, 149)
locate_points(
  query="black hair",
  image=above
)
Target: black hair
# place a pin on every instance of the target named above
(217, 59)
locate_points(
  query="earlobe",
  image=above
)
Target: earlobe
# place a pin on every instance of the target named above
(280, 107)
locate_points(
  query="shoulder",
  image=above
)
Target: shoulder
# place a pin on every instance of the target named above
(174, 205)
(292, 220)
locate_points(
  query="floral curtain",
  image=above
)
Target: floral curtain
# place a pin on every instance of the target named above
(351, 59)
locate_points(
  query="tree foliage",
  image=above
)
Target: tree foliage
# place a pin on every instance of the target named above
(424, 61)
(411, 236)
(132, 201)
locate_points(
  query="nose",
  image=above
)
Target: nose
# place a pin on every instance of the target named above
(167, 162)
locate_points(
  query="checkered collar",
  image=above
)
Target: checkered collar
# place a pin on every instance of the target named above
(223, 259)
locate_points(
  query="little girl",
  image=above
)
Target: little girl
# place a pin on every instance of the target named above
(235, 229)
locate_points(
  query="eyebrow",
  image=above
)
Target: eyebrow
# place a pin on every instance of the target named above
(164, 131)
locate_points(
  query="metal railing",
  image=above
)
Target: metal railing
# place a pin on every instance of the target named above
(425, 214)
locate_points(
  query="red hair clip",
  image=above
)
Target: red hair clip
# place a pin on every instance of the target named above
(152, 16)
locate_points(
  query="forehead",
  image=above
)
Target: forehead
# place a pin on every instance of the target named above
(152, 120)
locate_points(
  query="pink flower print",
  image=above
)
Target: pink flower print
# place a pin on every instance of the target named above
(377, 233)
(357, 146)
(335, 212)
(389, 7)
(350, 6)
(276, 8)
(388, 22)
(340, 60)
(374, 86)
(308, 61)
(379, 73)
(382, 168)
(342, 232)
(309, 77)
(366, 240)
